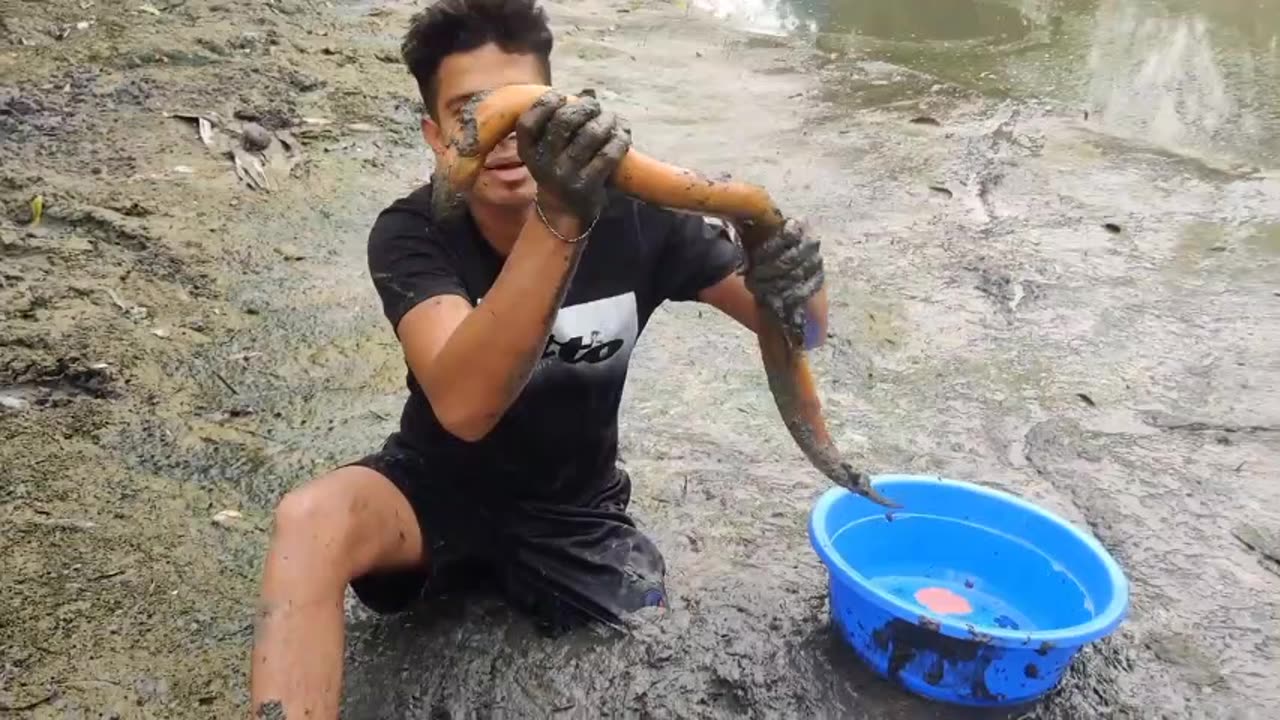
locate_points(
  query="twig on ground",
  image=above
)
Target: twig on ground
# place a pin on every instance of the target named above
(53, 694)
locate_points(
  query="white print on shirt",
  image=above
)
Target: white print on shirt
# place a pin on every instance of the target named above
(592, 338)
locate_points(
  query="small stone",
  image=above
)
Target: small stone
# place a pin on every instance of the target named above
(290, 252)
(151, 689)
(303, 82)
(255, 138)
(229, 518)
(9, 402)
(160, 333)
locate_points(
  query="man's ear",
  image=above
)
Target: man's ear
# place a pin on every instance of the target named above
(433, 135)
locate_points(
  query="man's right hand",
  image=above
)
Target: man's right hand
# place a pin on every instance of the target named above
(572, 150)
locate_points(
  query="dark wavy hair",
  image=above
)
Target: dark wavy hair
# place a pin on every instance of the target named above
(453, 26)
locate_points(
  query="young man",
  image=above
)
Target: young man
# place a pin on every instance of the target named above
(517, 317)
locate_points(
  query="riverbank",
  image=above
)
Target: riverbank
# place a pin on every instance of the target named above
(179, 348)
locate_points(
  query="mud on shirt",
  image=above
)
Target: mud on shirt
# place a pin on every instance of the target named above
(558, 441)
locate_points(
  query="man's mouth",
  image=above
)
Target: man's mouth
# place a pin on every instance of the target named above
(503, 164)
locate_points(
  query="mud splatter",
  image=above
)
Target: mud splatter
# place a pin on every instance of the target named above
(970, 659)
(270, 710)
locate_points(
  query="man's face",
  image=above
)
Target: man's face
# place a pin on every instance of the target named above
(505, 181)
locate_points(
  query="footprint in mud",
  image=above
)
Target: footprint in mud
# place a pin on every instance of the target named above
(1007, 292)
(1179, 650)
(57, 386)
(1053, 444)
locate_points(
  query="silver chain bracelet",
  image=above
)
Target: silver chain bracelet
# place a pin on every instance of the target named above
(537, 206)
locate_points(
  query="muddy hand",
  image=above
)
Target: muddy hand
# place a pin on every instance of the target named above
(860, 483)
(784, 273)
(572, 150)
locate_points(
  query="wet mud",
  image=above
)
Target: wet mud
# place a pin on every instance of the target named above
(181, 344)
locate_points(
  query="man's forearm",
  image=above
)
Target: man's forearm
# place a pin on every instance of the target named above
(489, 357)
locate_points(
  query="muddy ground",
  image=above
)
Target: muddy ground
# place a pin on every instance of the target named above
(177, 342)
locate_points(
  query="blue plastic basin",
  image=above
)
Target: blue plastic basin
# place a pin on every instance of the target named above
(966, 595)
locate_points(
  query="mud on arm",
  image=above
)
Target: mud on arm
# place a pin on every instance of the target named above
(473, 363)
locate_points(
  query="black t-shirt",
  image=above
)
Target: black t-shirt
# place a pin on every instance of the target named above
(558, 441)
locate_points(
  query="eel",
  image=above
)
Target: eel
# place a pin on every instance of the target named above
(491, 116)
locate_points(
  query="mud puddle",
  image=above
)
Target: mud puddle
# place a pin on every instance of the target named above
(236, 349)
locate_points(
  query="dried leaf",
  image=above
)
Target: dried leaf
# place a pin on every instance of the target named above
(290, 252)
(229, 518)
(13, 403)
(250, 169)
(206, 131)
(212, 117)
(115, 298)
(282, 157)
(290, 142)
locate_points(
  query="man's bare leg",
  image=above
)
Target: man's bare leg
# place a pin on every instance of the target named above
(335, 528)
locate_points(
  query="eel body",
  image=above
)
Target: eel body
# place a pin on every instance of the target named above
(492, 116)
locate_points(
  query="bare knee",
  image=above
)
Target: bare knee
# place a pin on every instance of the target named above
(314, 527)
(339, 524)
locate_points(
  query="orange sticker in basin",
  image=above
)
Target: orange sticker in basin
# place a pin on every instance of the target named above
(943, 601)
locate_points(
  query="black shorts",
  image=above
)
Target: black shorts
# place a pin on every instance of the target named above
(565, 564)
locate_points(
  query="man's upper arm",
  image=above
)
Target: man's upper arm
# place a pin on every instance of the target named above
(732, 297)
(417, 279)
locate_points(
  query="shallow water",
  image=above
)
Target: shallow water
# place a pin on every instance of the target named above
(1194, 76)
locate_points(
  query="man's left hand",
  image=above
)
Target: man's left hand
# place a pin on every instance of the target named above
(785, 274)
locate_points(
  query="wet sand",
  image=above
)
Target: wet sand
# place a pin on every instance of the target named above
(175, 344)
